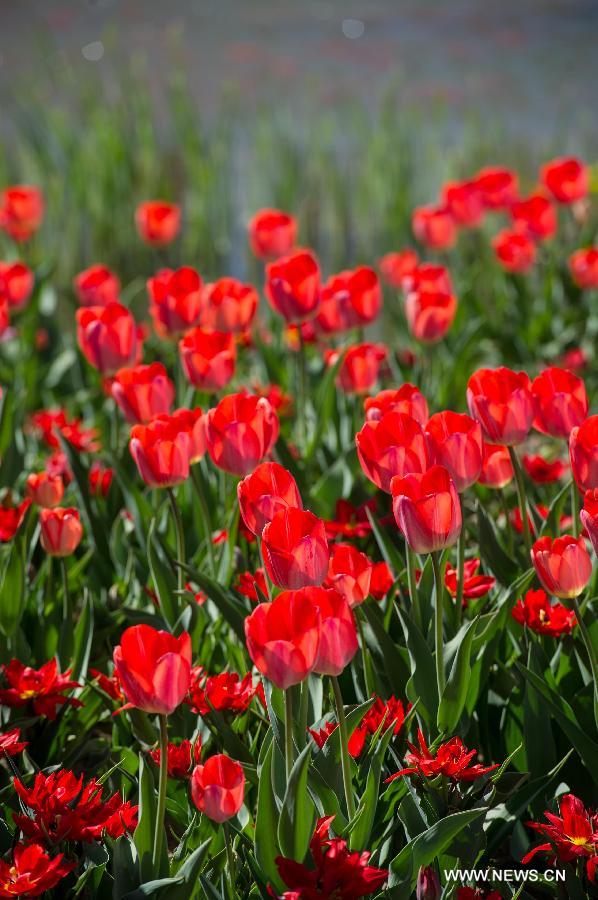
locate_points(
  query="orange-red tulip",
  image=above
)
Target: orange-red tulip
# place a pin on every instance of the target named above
(293, 286)
(392, 445)
(240, 431)
(97, 286)
(228, 305)
(107, 336)
(45, 490)
(272, 233)
(61, 530)
(158, 222)
(218, 787)
(208, 358)
(264, 492)
(143, 392)
(561, 402)
(455, 442)
(501, 400)
(563, 565)
(175, 300)
(162, 451)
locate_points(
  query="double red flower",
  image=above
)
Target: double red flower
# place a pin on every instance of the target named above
(572, 835)
(536, 611)
(44, 688)
(451, 759)
(31, 871)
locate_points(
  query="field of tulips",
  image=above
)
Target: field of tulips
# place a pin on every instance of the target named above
(297, 579)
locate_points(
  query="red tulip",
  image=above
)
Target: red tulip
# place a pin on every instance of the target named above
(4, 316)
(349, 573)
(427, 509)
(395, 267)
(175, 300)
(228, 305)
(541, 470)
(535, 216)
(21, 211)
(589, 517)
(434, 227)
(359, 370)
(537, 612)
(143, 392)
(208, 358)
(283, 637)
(562, 564)
(501, 400)
(11, 519)
(561, 402)
(16, 284)
(392, 445)
(497, 469)
(430, 315)
(61, 530)
(351, 299)
(193, 423)
(567, 179)
(240, 431)
(583, 265)
(100, 478)
(45, 490)
(154, 668)
(107, 337)
(272, 233)
(162, 451)
(338, 635)
(158, 222)
(30, 871)
(514, 250)
(295, 548)
(262, 494)
(293, 286)
(583, 454)
(455, 442)
(407, 399)
(429, 278)
(464, 201)
(218, 787)
(499, 187)
(97, 286)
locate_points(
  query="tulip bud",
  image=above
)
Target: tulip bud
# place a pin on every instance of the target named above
(162, 451)
(218, 787)
(428, 884)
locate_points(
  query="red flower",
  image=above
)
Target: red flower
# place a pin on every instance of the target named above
(100, 479)
(583, 454)
(394, 267)
(240, 431)
(21, 211)
(218, 787)
(226, 692)
(572, 836)
(429, 278)
(61, 530)
(107, 337)
(278, 399)
(31, 872)
(335, 871)
(541, 470)
(247, 582)
(536, 611)
(322, 734)
(154, 668)
(351, 299)
(11, 519)
(45, 490)
(193, 423)
(407, 399)
(381, 580)
(48, 422)
(514, 250)
(295, 548)
(359, 370)
(262, 494)
(272, 233)
(390, 712)
(161, 451)
(158, 222)
(498, 186)
(427, 509)
(175, 300)
(349, 573)
(143, 392)
(4, 316)
(452, 759)
(44, 687)
(10, 744)
(455, 442)
(16, 284)
(430, 314)
(434, 227)
(97, 286)
(293, 286)
(110, 685)
(575, 359)
(589, 517)
(475, 586)
(583, 265)
(208, 358)
(283, 637)
(535, 216)
(467, 893)
(497, 469)
(349, 521)
(464, 201)
(65, 808)
(562, 564)
(501, 400)
(567, 179)
(338, 635)
(228, 305)
(180, 757)
(393, 445)
(561, 402)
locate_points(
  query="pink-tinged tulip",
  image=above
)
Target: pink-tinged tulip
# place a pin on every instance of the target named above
(434, 227)
(295, 548)
(193, 423)
(583, 265)
(464, 201)
(561, 402)
(428, 884)
(228, 305)
(567, 179)
(61, 530)
(351, 299)
(583, 453)
(360, 368)
(240, 431)
(407, 399)
(338, 635)
(218, 787)
(272, 233)
(427, 509)
(262, 494)
(499, 187)
(208, 358)
(562, 565)
(514, 250)
(455, 442)
(143, 392)
(293, 286)
(21, 211)
(395, 267)
(16, 284)
(501, 400)
(97, 286)
(430, 315)
(161, 451)
(589, 517)
(429, 278)
(535, 216)
(497, 468)
(349, 573)
(283, 637)
(154, 668)
(175, 300)
(158, 222)
(392, 445)
(107, 337)
(45, 490)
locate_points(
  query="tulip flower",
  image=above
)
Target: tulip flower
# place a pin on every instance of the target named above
(427, 509)
(428, 884)
(293, 286)
(455, 442)
(30, 871)
(540, 615)
(154, 668)
(502, 402)
(464, 201)
(562, 564)
(97, 286)
(107, 337)
(407, 399)
(338, 634)
(4, 316)
(161, 451)
(535, 216)
(497, 468)
(583, 454)
(228, 305)
(543, 471)
(583, 265)
(143, 392)
(208, 358)
(218, 787)
(61, 530)
(268, 489)
(295, 548)
(389, 446)
(240, 431)
(498, 186)
(272, 233)
(570, 836)
(16, 284)
(45, 490)
(567, 179)
(514, 250)
(360, 367)
(349, 573)
(175, 300)
(434, 227)
(560, 400)
(394, 267)
(351, 299)
(428, 278)
(451, 759)
(193, 423)
(21, 211)
(158, 222)
(430, 315)
(589, 517)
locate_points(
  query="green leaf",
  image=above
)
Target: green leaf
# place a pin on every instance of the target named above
(227, 602)
(83, 640)
(388, 550)
(455, 692)
(266, 849)
(361, 827)
(492, 553)
(295, 826)
(162, 576)
(423, 670)
(143, 837)
(324, 404)
(13, 587)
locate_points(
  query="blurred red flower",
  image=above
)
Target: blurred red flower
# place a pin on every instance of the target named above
(535, 216)
(430, 314)
(514, 250)
(293, 286)
(97, 286)
(499, 187)
(181, 757)
(272, 233)
(16, 284)
(567, 179)
(395, 266)
(11, 519)
(143, 392)
(175, 300)
(44, 688)
(107, 337)
(434, 227)
(351, 299)
(583, 265)
(208, 358)
(158, 222)
(541, 470)
(10, 743)
(21, 211)
(228, 305)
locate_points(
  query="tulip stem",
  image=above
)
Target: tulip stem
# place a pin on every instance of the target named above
(438, 624)
(66, 629)
(230, 857)
(587, 639)
(196, 478)
(288, 731)
(412, 585)
(344, 740)
(574, 508)
(180, 537)
(162, 784)
(520, 481)
(460, 574)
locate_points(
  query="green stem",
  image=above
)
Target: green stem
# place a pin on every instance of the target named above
(206, 522)
(180, 537)
(344, 739)
(508, 526)
(412, 585)
(575, 508)
(460, 574)
(162, 785)
(230, 858)
(288, 731)
(369, 687)
(438, 624)
(520, 481)
(585, 634)
(302, 391)
(66, 627)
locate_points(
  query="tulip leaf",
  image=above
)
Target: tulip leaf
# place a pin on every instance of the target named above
(13, 587)
(395, 666)
(228, 604)
(83, 640)
(295, 826)
(390, 553)
(143, 837)
(502, 566)
(455, 692)
(162, 576)
(266, 849)
(324, 404)
(361, 827)
(422, 669)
